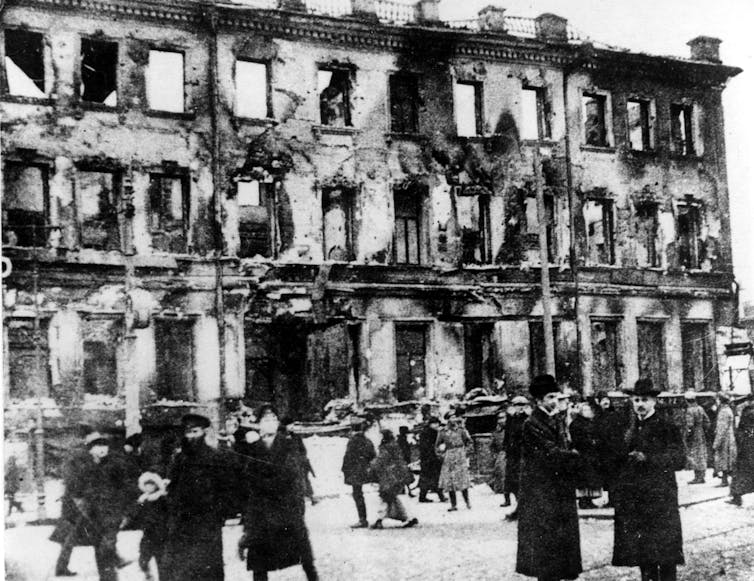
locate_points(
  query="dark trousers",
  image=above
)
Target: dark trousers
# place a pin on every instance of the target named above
(151, 546)
(358, 498)
(66, 548)
(106, 556)
(657, 572)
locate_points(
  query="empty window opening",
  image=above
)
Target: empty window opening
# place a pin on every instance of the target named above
(29, 375)
(647, 226)
(598, 217)
(165, 81)
(688, 232)
(595, 121)
(606, 372)
(410, 355)
(99, 66)
(24, 63)
(168, 212)
(98, 209)
(101, 337)
(252, 90)
(174, 342)
(25, 201)
(474, 221)
(639, 125)
(255, 214)
(537, 355)
(404, 103)
(467, 101)
(532, 225)
(699, 370)
(651, 347)
(682, 129)
(479, 356)
(408, 232)
(337, 223)
(334, 88)
(535, 122)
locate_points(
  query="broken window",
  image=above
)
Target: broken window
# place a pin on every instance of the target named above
(537, 354)
(474, 221)
(259, 356)
(467, 101)
(100, 369)
(699, 369)
(606, 372)
(174, 344)
(651, 347)
(407, 236)
(256, 214)
(99, 69)
(682, 129)
(165, 81)
(252, 90)
(595, 119)
(404, 103)
(25, 205)
(24, 64)
(98, 209)
(337, 223)
(532, 225)
(334, 89)
(535, 123)
(639, 125)
(598, 217)
(168, 212)
(29, 375)
(410, 359)
(688, 231)
(647, 225)
(479, 356)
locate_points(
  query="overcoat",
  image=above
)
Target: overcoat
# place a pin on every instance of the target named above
(743, 475)
(69, 514)
(200, 498)
(585, 440)
(514, 432)
(724, 444)
(697, 424)
(275, 532)
(497, 449)
(611, 426)
(451, 445)
(429, 462)
(390, 470)
(548, 523)
(359, 453)
(647, 525)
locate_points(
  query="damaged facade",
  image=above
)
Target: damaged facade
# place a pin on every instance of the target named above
(219, 203)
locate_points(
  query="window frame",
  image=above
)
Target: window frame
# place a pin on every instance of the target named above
(690, 146)
(647, 114)
(268, 87)
(47, 170)
(187, 321)
(5, 92)
(698, 225)
(117, 173)
(420, 192)
(182, 174)
(349, 195)
(607, 141)
(608, 227)
(184, 89)
(414, 103)
(478, 87)
(347, 96)
(653, 246)
(544, 126)
(619, 365)
(415, 325)
(79, 73)
(641, 340)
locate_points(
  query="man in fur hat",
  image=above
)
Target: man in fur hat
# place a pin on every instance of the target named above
(647, 522)
(200, 498)
(548, 523)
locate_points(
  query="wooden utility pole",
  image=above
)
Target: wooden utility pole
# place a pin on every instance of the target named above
(39, 430)
(131, 385)
(544, 260)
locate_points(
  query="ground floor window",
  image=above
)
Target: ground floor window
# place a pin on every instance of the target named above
(479, 356)
(410, 358)
(174, 342)
(699, 368)
(28, 369)
(651, 349)
(606, 372)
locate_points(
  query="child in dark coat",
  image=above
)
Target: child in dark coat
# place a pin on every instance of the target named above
(152, 519)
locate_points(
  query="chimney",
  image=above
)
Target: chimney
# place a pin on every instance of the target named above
(428, 10)
(364, 9)
(705, 48)
(492, 19)
(552, 28)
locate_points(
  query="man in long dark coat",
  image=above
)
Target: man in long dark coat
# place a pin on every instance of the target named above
(647, 522)
(430, 463)
(200, 498)
(275, 533)
(359, 454)
(743, 473)
(514, 432)
(548, 523)
(610, 425)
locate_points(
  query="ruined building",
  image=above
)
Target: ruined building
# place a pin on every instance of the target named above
(296, 201)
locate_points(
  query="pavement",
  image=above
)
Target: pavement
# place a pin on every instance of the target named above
(476, 544)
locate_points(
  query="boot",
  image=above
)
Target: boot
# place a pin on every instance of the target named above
(362, 524)
(412, 523)
(512, 516)
(377, 524)
(735, 500)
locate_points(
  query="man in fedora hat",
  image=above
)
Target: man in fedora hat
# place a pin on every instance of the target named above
(359, 454)
(200, 497)
(548, 523)
(647, 522)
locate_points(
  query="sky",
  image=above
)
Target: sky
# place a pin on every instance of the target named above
(663, 27)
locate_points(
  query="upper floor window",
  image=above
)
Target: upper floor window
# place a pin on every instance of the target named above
(334, 89)
(688, 232)
(165, 91)
(337, 223)
(25, 204)
(639, 125)
(535, 123)
(532, 225)
(474, 220)
(647, 226)
(252, 90)
(25, 64)
(598, 216)
(594, 108)
(467, 102)
(99, 72)
(682, 129)
(97, 193)
(169, 211)
(407, 234)
(256, 217)
(404, 103)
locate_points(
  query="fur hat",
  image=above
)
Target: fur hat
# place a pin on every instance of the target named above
(541, 385)
(134, 440)
(154, 478)
(643, 386)
(96, 439)
(189, 421)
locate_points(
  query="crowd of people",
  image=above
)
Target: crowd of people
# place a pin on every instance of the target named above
(551, 456)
